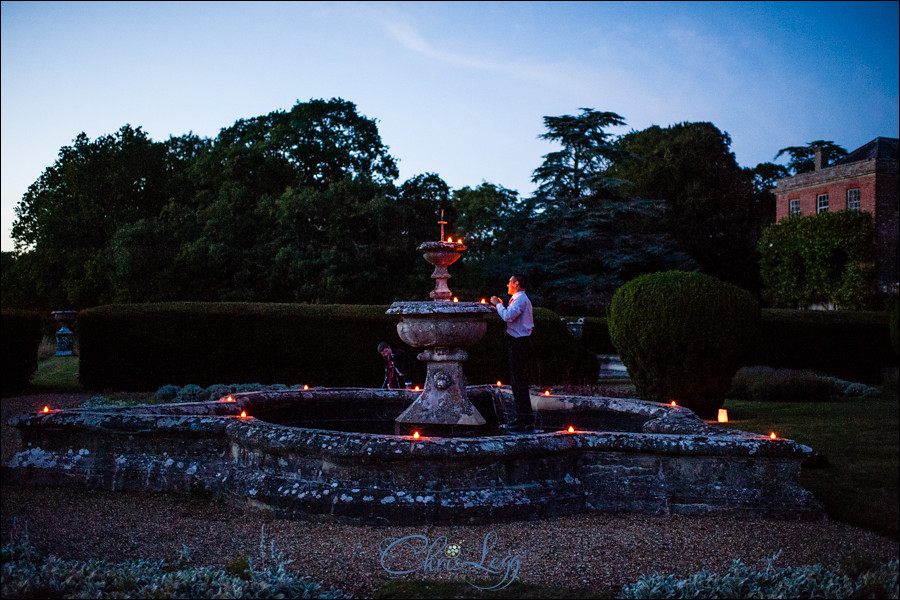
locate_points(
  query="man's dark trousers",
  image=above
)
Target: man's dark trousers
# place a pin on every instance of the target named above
(519, 355)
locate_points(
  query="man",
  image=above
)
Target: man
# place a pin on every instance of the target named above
(396, 367)
(519, 319)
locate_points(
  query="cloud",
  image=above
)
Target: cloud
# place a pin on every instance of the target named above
(410, 38)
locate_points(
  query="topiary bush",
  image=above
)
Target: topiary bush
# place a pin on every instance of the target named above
(683, 336)
(21, 339)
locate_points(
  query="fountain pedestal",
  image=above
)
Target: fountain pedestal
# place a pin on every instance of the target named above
(443, 329)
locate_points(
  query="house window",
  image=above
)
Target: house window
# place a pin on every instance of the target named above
(821, 203)
(794, 206)
(853, 199)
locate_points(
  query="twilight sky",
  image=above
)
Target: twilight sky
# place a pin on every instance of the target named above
(458, 88)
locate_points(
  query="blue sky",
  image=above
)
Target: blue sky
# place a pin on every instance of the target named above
(459, 89)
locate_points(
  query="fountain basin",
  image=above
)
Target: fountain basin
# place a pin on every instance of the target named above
(665, 460)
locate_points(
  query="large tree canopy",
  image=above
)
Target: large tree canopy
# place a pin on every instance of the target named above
(802, 158)
(715, 209)
(577, 171)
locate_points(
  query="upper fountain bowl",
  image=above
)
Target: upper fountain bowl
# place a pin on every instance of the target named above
(428, 324)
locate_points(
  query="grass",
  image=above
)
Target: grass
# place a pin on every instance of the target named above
(56, 374)
(860, 485)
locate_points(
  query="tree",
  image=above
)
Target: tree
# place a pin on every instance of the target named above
(69, 215)
(584, 236)
(803, 157)
(826, 258)
(125, 218)
(713, 210)
(577, 172)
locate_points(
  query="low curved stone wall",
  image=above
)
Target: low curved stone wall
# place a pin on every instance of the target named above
(676, 463)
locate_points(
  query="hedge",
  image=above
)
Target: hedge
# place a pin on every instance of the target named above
(21, 339)
(144, 346)
(851, 345)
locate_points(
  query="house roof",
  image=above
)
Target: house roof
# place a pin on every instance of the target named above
(879, 148)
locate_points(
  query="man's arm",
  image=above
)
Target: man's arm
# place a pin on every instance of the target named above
(510, 313)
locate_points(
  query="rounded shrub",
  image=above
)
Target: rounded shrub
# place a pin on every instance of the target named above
(683, 336)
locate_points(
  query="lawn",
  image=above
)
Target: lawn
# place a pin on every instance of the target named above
(860, 439)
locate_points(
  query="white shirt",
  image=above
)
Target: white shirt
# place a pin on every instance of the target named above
(518, 315)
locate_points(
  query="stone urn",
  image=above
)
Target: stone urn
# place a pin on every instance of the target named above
(65, 339)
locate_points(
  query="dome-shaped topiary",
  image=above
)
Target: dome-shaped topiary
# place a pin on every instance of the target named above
(683, 336)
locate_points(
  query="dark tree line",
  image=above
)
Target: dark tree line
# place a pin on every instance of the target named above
(304, 206)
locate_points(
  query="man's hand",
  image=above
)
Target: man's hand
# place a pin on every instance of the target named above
(496, 301)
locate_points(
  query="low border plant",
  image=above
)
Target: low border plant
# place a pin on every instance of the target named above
(767, 384)
(27, 574)
(741, 581)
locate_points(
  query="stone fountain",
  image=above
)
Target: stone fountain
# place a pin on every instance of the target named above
(444, 328)
(313, 453)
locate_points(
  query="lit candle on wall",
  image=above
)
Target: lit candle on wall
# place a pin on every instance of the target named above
(723, 415)
(415, 435)
(772, 435)
(571, 429)
(46, 409)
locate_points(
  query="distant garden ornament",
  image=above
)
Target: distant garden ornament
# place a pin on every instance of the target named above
(65, 339)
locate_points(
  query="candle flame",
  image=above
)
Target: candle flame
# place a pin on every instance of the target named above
(498, 383)
(673, 403)
(416, 389)
(483, 301)
(571, 429)
(229, 399)
(772, 435)
(305, 387)
(459, 241)
(243, 414)
(723, 415)
(415, 435)
(546, 392)
(46, 409)
(450, 239)
(455, 299)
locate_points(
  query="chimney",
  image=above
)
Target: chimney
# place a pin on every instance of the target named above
(819, 159)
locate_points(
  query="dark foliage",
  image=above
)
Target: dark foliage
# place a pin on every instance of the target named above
(142, 347)
(21, 339)
(683, 336)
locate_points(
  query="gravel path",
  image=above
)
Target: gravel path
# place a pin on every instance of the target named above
(599, 551)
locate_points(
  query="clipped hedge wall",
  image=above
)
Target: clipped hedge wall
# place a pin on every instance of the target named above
(683, 336)
(21, 339)
(851, 345)
(145, 346)
(856, 346)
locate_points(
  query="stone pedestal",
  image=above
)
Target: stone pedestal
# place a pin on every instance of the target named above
(443, 329)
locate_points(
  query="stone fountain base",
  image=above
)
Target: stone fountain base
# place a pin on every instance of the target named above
(637, 457)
